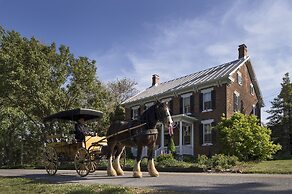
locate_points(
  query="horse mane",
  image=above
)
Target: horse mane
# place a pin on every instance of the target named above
(149, 116)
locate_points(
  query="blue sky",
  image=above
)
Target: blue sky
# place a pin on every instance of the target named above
(172, 38)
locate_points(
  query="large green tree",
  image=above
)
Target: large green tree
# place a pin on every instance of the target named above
(281, 116)
(37, 80)
(242, 136)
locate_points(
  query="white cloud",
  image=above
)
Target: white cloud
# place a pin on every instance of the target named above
(184, 46)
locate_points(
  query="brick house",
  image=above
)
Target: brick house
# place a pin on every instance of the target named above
(197, 102)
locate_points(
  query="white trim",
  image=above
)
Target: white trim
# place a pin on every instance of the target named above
(236, 93)
(239, 74)
(207, 144)
(209, 121)
(186, 95)
(208, 110)
(207, 90)
(166, 99)
(135, 107)
(251, 89)
(254, 109)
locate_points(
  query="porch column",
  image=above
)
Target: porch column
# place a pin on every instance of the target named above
(162, 139)
(180, 138)
(192, 138)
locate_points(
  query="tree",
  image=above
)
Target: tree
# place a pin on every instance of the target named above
(281, 116)
(242, 136)
(37, 80)
(122, 89)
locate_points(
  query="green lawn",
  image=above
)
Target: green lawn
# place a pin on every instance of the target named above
(27, 186)
(269, 167)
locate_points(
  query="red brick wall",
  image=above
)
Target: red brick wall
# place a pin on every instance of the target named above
(244, 91)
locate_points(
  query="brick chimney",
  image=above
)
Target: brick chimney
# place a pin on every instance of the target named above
(155, 80)
(242, 51)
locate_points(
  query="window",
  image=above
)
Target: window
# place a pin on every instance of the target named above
(236, 102)
(253, 109)
(186, 103)
(207, 131)
(251, 89)
(186, 134)
(135, 112)
(239, 78)
(206, 99)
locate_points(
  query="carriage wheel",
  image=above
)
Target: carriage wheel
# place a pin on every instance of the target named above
(93, 163)
(50, 160)
(82, 162)
(92, 166)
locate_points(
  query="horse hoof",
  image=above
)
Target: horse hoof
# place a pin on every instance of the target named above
(111, 173)
(120, 173)
(154, 174)
(137, 174)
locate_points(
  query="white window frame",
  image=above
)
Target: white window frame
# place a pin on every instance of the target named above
(239, 81)
(251, 89)
(187, 126)
(238, 102)
(135, 112)
(206, 91)
(184, 97)
(205, 123)
(254, 109)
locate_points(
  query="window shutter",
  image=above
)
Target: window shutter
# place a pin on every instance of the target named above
(201, 134)
(139, 112)
(181, 105)
(192, 103)
(234, 103)
(201, 102)
(213, 97)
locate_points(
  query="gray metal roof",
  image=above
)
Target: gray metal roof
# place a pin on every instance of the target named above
(211, 75)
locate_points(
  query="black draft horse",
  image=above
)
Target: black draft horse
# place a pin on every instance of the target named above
(141, 133)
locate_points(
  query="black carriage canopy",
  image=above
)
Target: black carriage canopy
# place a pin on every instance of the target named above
(75, 115)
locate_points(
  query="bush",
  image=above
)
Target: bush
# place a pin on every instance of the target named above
(204, 162)
(218, 162)
(164, 157)
(188, 158)
(242, 136)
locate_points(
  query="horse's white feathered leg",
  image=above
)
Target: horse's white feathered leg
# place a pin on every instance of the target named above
(110, 170)
(117, 165)
(151, 168)
(137, 170)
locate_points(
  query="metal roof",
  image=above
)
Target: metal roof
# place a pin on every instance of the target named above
(201, 78)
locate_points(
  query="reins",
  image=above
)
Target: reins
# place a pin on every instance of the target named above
(128, 129)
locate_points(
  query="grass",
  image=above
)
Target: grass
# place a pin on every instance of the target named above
(27, 186)
(268, 167)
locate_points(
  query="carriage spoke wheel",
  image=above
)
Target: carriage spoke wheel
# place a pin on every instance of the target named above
(82, 162)
(50, 160)
(93, 163)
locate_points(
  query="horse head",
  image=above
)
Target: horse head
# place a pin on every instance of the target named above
(163, 114)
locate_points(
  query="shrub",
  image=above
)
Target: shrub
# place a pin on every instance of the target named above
(203, 162)
(218, 162)
(188, 158)
(242, 136)
(163, 157)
